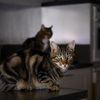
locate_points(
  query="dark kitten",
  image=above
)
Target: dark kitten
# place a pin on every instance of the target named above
(39, 46)
(41, 40)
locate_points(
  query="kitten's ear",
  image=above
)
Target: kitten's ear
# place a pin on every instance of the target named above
(71, 44)
(54, 48)
(42, 27)
(51, 26)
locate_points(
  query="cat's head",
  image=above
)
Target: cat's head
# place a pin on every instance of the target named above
(45, 32)
(62, 57)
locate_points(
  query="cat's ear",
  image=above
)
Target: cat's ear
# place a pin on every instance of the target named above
(54, 48)
(71, 44)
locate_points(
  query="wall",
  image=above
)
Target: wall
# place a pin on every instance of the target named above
(71, 22)
(18, 23)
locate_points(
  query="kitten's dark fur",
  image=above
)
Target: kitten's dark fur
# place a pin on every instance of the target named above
(37, 42)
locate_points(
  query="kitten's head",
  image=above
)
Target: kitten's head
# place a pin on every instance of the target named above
(62, 57)
(43, 36)
(45, 32)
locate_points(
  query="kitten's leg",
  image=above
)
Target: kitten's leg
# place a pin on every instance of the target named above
(22, 85)
(34, 62)
(27, 63)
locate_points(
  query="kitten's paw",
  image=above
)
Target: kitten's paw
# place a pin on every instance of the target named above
(54, 87)
(22, 85)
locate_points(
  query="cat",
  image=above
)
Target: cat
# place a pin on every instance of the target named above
(51, 69)
(16, 71)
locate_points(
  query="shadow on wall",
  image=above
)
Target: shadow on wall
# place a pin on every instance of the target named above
(82, 53)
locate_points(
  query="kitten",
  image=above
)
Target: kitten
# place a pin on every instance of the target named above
(40, 44)
(51, 69)
(16, 71)
(41, 40)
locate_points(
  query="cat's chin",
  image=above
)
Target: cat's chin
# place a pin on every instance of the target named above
(64, 70)
(63, 67)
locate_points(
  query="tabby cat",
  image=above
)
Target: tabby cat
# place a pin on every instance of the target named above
(51, 69)
(16, 71)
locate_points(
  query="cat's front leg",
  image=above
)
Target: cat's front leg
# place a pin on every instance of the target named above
(50, 84)
(54, 87)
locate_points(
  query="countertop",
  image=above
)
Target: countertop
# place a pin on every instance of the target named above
(63, 94)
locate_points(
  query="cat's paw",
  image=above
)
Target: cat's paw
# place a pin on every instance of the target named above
(54, 87)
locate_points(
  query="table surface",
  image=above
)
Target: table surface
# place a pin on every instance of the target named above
(63, 94)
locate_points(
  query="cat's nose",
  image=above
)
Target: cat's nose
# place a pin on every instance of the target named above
(63, 62)
(66, 66)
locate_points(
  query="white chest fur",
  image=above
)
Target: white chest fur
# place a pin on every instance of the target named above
(45, 42)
